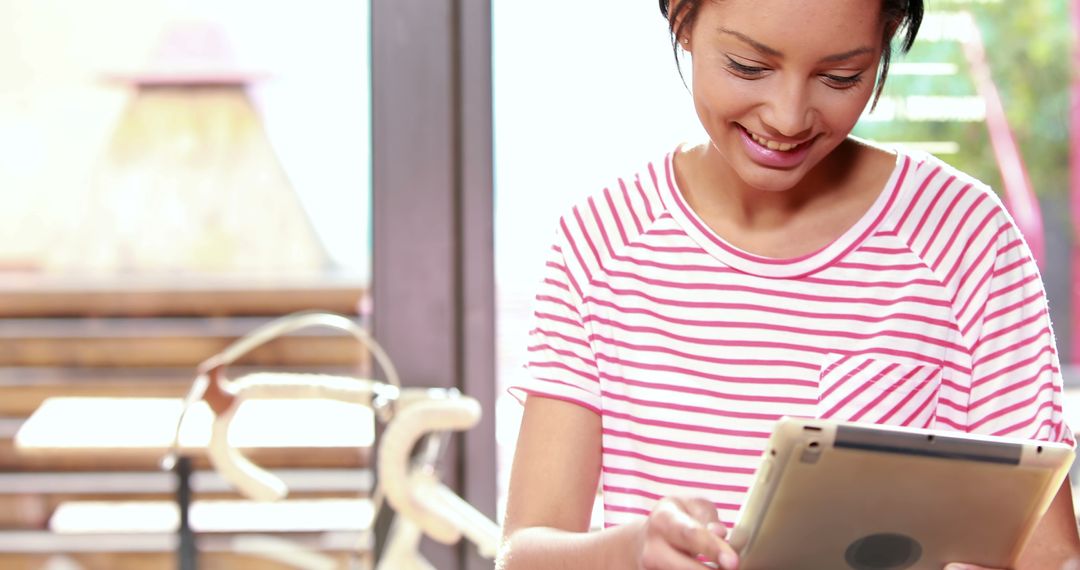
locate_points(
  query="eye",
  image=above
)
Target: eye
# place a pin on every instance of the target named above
(842, 81)
(745, 71)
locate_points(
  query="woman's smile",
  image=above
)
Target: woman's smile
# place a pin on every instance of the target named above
(771, 153)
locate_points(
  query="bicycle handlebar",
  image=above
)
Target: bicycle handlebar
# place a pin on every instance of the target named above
(210, 381)
(249, 478)
(417, 494)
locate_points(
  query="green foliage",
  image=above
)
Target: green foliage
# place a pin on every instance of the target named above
(1029, 48)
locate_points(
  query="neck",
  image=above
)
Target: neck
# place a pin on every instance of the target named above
(712, 188)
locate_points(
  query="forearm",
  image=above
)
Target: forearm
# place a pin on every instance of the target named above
(1062, 554)
(613, 548)
(1056, 540)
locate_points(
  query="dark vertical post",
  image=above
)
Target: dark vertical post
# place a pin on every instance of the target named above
(187, 551)
(478, 260)
(432, 275)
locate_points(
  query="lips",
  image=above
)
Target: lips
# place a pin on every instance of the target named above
(773, 145)
(774, 154)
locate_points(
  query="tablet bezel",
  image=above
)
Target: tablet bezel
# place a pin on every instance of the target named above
(793, 437)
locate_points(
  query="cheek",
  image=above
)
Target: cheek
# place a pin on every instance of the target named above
(721, 97)
(842, 110)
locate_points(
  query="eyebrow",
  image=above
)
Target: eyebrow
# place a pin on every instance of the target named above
(777, 53)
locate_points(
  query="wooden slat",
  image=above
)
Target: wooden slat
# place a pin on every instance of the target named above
(21, 550)
(23, 389)
(344, 481)
(162, 343)
(295, 458)
(49, 542)
(145, 561)
(56, 296)
(28, 500)
(152, 561)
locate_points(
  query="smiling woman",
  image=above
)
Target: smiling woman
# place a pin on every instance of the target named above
(780, 266)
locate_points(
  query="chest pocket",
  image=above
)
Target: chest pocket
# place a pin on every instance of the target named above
(871, 390)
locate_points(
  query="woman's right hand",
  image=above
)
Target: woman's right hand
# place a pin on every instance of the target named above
(680, 532)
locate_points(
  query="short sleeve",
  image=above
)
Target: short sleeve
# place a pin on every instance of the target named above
(561, 362)
(1016, 382)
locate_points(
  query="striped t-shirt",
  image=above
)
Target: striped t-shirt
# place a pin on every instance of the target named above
(928, 312)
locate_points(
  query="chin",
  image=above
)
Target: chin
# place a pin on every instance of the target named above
(770, 180)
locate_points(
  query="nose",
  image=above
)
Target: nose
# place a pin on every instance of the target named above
(789, 111)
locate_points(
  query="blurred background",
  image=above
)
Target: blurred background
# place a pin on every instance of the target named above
(176, 173)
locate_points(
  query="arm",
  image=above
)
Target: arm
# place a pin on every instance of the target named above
(558, 458)
(1055, 545)
(1016, 382)
(552, 488)
(1055, 541)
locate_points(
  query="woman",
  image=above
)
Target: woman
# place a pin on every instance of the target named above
(780, 268)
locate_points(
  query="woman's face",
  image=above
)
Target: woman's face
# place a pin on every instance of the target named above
(778, 84)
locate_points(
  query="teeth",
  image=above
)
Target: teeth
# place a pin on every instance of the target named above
(772, 145)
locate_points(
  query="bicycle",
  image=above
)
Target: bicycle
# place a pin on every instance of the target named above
(411, 486)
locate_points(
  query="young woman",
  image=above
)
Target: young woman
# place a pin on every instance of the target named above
(780, 268)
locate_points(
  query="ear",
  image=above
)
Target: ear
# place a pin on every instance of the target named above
(676, 13)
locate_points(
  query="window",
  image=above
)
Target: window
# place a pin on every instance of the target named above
(185, 138)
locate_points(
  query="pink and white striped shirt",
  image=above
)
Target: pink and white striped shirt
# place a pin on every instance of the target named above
(929, 311)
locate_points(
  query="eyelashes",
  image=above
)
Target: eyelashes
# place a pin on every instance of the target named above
(755, 72)
(842, 81)
(746, 70)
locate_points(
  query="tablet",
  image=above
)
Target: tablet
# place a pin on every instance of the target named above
(834, 495)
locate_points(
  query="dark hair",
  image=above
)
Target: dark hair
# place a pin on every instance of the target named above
(898, 14)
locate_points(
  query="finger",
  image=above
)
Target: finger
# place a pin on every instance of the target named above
(728, 559)
(685, 533)
(705, 511)
(664, 556)
(962, 566)
(702, 510)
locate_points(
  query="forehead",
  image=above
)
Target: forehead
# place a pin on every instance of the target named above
(818, 26)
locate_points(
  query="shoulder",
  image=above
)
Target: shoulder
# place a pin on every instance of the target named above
(955, 224)
(622, 208)
(936, 198)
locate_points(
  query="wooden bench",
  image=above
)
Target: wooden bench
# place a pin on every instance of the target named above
(142, 430)
(137, 341)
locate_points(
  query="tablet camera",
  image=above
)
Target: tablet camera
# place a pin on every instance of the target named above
(884, 551)
(811, 453)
